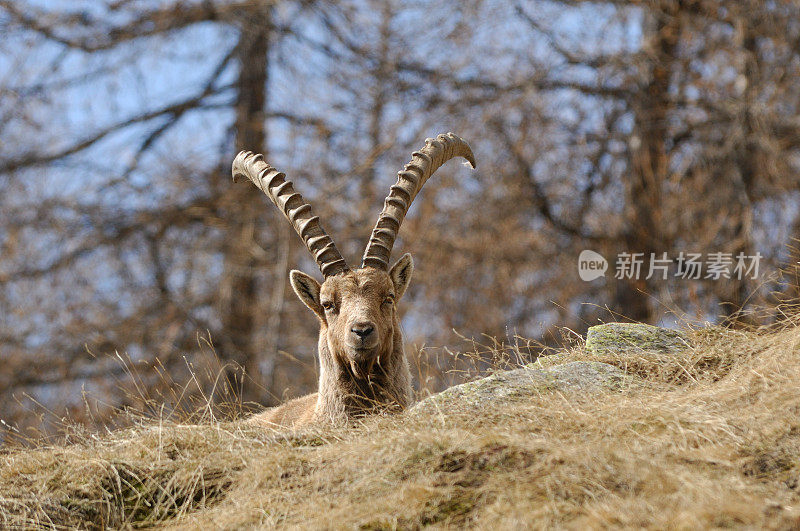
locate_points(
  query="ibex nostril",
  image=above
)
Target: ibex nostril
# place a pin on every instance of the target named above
(362, 330)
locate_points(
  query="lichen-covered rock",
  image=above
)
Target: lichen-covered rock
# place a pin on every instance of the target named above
(586, 376)
(616, 338)
(527, 381)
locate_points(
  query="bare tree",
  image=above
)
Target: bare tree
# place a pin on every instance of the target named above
(650, 128)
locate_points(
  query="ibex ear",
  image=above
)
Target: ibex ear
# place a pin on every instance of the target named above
(307, 290)
(401, 274)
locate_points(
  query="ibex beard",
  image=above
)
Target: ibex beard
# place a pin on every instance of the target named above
(363, 368)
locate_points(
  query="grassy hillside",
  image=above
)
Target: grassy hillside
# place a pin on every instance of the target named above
(708, 437)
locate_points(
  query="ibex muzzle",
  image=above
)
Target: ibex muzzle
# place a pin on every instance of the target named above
(362, 364)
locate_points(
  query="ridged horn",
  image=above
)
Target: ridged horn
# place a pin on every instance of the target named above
(281, 192)
(410, 180)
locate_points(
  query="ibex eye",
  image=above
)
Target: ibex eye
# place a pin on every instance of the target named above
(388, 300)
(327, 305)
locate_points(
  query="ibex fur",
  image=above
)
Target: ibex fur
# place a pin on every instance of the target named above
(362, 364)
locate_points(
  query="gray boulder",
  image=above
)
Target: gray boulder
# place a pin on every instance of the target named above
(621, 338)
(557, 373)
(576, 376)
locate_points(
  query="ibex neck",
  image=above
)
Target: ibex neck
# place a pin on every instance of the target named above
(342, 395)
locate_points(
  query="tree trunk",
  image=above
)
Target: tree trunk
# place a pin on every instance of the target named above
(240, 291)
(646, 229)
(744, 174)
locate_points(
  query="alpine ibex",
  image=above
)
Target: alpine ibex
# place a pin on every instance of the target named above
(362, 364)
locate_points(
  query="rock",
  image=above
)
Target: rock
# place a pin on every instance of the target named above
(586, 376)
(529, 380)
(556, 373)
(616, 338)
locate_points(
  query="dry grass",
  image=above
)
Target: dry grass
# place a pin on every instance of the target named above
(712, 439)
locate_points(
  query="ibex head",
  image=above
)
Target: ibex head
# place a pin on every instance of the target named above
(356, 308)
(357, 311)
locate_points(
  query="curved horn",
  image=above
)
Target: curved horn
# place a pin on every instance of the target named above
(409, 182)
(297, 211)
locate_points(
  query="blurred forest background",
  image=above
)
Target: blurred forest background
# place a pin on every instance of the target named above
(660, 126)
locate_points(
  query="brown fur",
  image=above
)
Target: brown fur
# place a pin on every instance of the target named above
(357, 376)
(293, 413)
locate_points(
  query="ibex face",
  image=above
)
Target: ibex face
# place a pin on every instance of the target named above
(357, 311)
(362, 364)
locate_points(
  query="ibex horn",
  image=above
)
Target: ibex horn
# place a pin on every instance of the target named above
(409, 182)
(297, 211)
